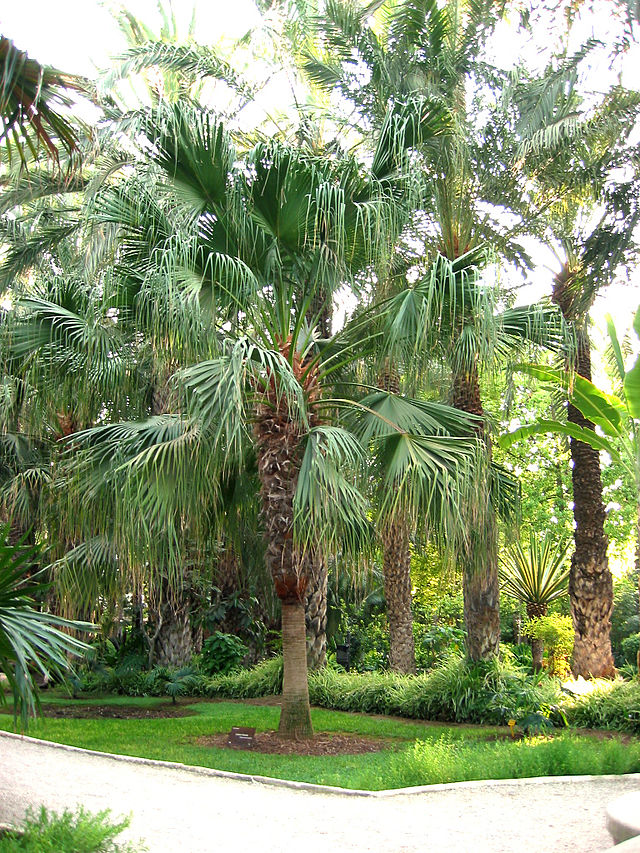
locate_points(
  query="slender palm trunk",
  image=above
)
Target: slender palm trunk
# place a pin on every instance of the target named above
(396, 570)
(397, 591)
(295, 718)
(590, 582)
(480, 584)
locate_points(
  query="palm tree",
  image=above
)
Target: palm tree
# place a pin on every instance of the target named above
(376, 56)
(29, 638)
(30, 95)
(614, 414)
(536, 578)
(573, 147)
(270, 229)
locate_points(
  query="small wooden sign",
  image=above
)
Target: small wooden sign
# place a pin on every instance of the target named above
(241, 737)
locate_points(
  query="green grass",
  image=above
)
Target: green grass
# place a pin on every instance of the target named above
(416, 754)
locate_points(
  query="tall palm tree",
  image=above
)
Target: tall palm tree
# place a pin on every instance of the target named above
(374, 56)
(574, 144)
(269, 230)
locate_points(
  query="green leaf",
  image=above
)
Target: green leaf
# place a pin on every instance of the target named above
(604, 410)
(541, 427)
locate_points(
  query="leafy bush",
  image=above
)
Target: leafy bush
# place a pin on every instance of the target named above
(221, 653)
(435, 643)
(613, 706)
(625, 620)
(630, 647)
(265, 679)
(455, 691)
(81, 832)
(557, 635)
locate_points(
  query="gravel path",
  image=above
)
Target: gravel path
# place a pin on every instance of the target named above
(175, 808)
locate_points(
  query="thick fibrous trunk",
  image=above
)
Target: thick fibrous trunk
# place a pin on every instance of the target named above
(174, 643)
(278, 440)
(396, 571)
(590, 582)
(397, 590)
(480, 583)
(295, 718)
(316, 614)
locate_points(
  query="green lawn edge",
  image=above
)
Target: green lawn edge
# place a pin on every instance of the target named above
(417, 753)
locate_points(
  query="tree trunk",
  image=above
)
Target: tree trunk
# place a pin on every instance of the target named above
(590, 582)
(278, 445)
(316, 614)
(295, 717)
(480, 583)
(396, 569)
(174, 643)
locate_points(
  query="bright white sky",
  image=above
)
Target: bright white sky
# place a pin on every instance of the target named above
(80, 36)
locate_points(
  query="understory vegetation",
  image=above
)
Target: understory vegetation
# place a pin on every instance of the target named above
(456, 690)
(68, 832)
(412, 753)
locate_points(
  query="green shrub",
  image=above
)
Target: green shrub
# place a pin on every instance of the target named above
(630, 647)
(265, 679)
(221, 653)
(79, 832)
(455, 691)
(557, 635)
(624, 619)
(609, 706)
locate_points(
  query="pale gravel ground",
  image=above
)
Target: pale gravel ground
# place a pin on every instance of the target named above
(180, 809)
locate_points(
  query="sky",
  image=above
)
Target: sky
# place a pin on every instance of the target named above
(80, 36)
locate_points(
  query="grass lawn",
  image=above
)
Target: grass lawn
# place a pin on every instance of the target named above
(414, 753)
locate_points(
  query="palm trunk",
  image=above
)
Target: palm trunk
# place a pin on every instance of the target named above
(396, 571)
(316, 614)
(397, 590)
(278, 440)
(480, 584)
(590, 582)
(295, 717)
(174, 643)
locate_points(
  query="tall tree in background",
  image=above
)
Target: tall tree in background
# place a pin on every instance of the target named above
(574, 149)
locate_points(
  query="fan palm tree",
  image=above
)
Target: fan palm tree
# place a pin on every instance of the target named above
(29, 638)
(270, 230)
(374, 56)
(30, 96)
(535, 577)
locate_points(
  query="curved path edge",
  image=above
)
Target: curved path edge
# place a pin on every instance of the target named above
(322, 789)
(178, 807)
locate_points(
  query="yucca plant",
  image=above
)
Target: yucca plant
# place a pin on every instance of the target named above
(536, 577)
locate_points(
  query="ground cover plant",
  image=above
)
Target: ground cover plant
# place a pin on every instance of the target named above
(411, 753)
(69, 832)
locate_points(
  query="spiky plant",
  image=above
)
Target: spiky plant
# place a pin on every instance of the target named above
(536, 577)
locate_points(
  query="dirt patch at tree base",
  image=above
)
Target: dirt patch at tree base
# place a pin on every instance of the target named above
(115, 712)
(324, 743)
